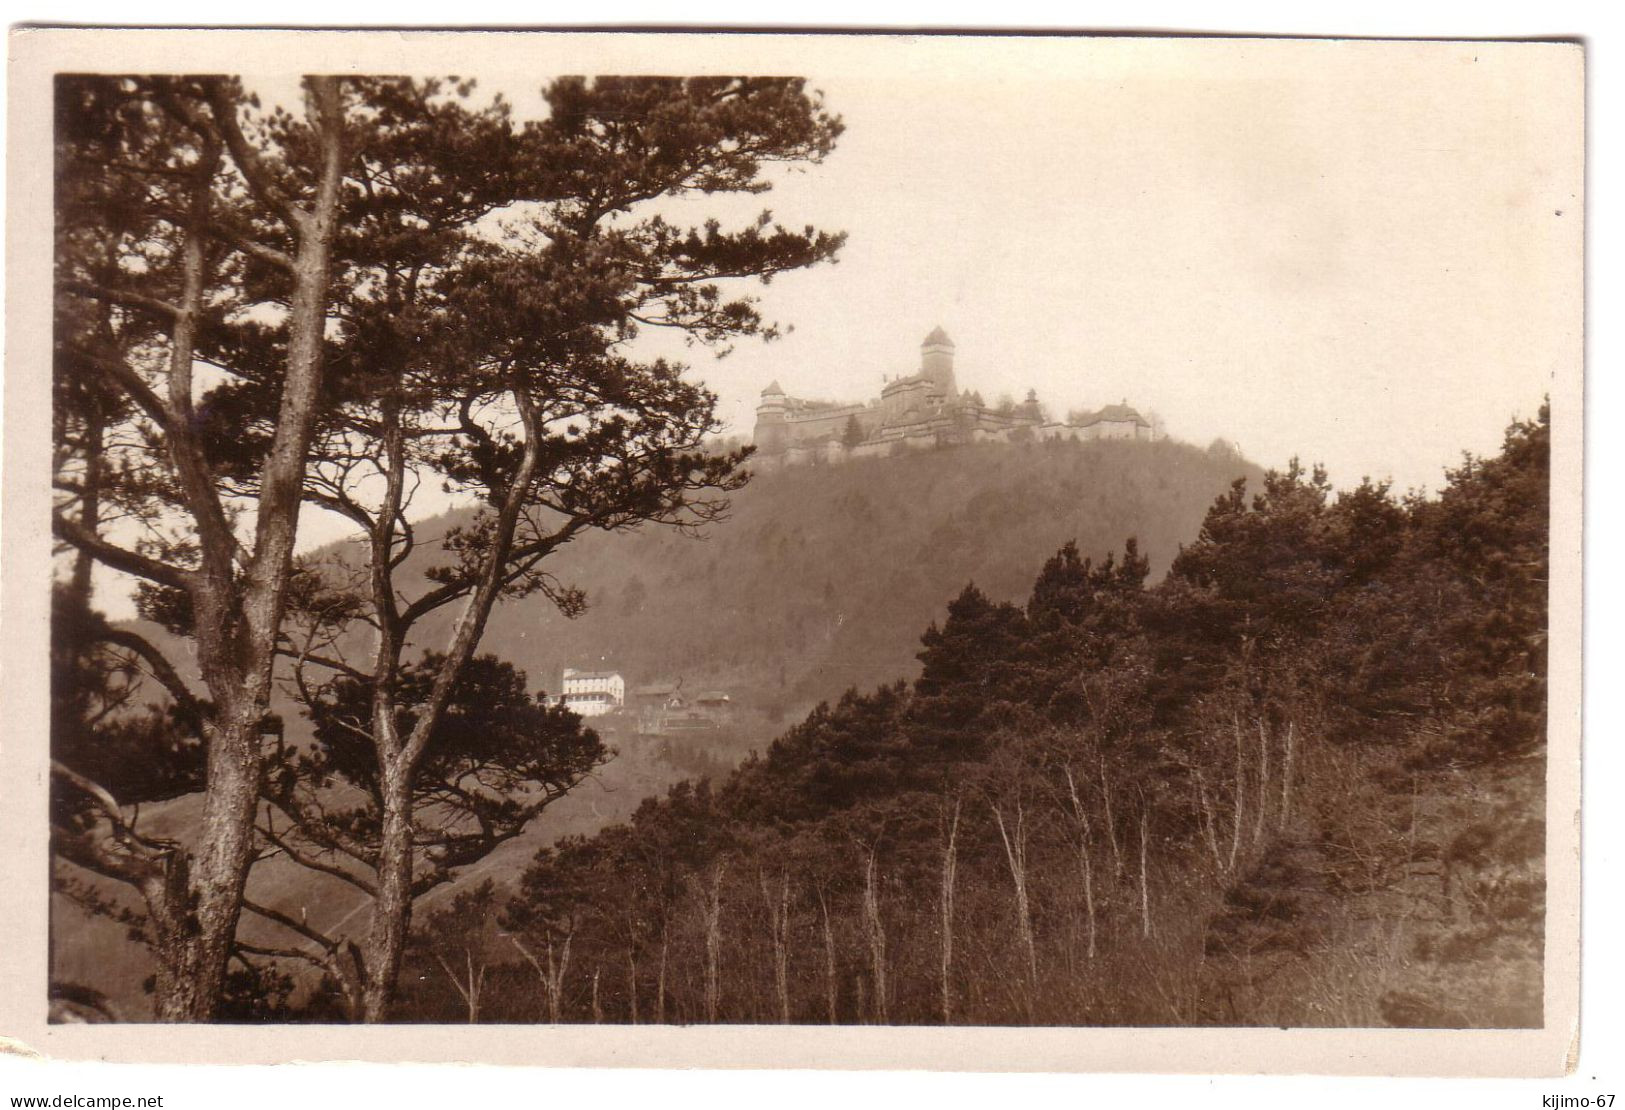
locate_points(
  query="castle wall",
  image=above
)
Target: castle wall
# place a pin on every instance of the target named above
(779, 426)
(800, 412)
(931, 428)
(920, 391)
(986, 420)
(923, 410)
(834, 422)
(770, 436)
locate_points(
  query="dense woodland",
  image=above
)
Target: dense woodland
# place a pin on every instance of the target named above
(1297, 782)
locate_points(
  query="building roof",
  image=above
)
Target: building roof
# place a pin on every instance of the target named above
(1122, 412)
(714, 695)
(773, 389)
(568, 673)
(938, 337)
(1116, 414)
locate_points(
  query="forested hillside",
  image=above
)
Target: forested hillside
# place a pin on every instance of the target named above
(819, 580)
(821, 577)
(1298, 782)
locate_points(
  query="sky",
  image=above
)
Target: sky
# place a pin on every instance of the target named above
(1359, 259)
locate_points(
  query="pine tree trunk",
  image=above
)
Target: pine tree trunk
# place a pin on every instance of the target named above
(632, 984)
(392, 907)
(781, 965)
(1015, 850)
(239, 617)
(660, 978)
(1259, 818)
(1081, 816)
(831, 983)
(712, 910)
(877, 939)
(201, 899)
(551, 976)
(90, 509)
(1111, 821)
(1286, 776)
(470, 991)
(1088, 894)
(950, 864)
(556, 972)
(1240, 800)
(1209, 825)
(1145, 886)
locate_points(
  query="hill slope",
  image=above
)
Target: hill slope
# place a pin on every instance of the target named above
(822, 577)
(1300, 782)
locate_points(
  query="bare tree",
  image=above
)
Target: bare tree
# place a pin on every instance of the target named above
(875, 933)
(1110, 820)
(1260, 817)
(710, 895)
(1209, 823)
(458, 938)
(1239, 803)
(1015, 851)
(632, 981)
(831, 974)
(1080, 816)
(552, 973)
(1145, 882)
(1286, 775)
(950, 865)
(660, 975)
(778, 917)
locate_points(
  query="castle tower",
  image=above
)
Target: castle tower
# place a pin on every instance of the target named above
(937, 361)
(1031, 410)
(772, 433)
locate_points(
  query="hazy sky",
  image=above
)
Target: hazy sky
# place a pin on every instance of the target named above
(1355, 253)
(1364, 254)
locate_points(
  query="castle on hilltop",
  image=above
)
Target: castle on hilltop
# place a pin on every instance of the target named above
(924, 409)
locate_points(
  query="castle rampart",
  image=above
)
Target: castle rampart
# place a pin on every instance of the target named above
(920, 410)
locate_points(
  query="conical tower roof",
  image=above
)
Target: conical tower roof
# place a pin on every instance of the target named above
(937, 338)
(773, 389)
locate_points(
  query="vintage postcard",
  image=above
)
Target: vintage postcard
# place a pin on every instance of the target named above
(794, 550)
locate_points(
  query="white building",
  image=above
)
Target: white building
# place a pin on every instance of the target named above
(590, 693)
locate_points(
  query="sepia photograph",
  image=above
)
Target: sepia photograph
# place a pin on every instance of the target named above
(868, 534)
